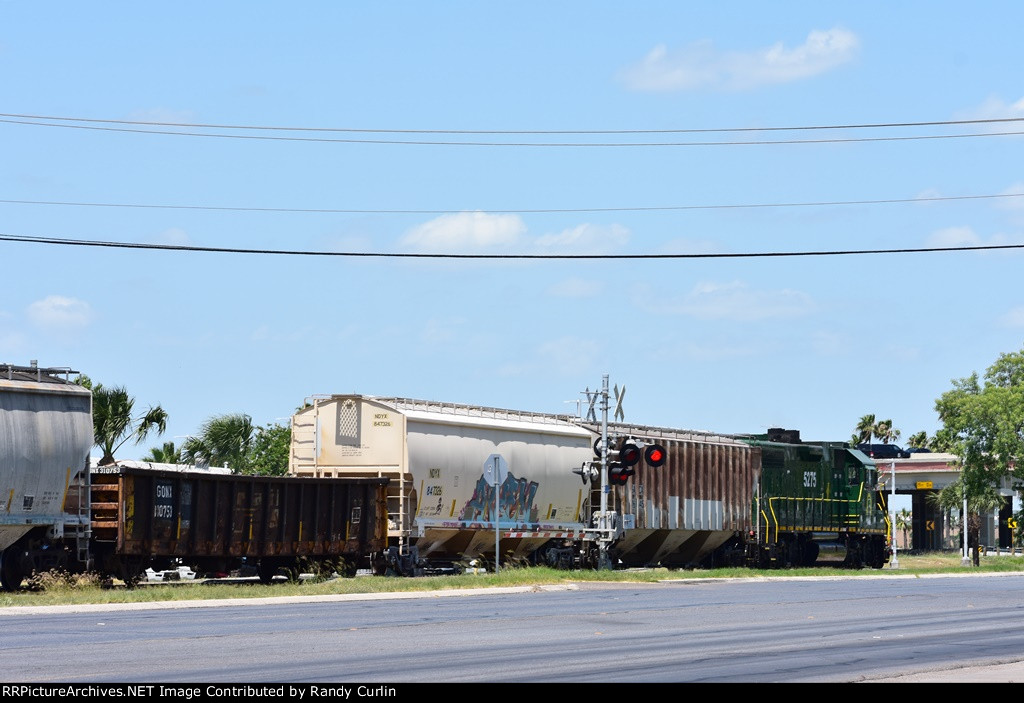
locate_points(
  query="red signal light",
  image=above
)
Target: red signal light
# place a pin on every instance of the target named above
(619, 474)
(655, 455)
(629, 454)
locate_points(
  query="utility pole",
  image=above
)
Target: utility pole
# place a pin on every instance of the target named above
(603, 517)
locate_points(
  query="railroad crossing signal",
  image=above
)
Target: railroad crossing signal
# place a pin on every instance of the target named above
(628, 455)
(591, 403)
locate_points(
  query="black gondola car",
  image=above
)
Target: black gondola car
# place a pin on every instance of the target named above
(143, 518)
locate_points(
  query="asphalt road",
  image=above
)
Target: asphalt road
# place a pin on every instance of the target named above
(858, 629)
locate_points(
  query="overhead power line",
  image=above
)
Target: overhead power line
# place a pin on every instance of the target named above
(365, 130)
(652, 208)
(437, 142)
(506, 257)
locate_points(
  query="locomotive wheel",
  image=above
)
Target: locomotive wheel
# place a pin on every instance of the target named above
(876, 555)
(810, 554)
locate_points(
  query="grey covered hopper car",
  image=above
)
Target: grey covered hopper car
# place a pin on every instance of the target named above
(46, 434)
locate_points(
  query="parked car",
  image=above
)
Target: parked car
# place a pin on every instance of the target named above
(884, 451)
(919, 450)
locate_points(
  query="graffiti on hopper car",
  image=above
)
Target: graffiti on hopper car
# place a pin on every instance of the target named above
(515, 501)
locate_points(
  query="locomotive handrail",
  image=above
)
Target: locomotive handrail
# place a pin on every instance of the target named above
(845, 517)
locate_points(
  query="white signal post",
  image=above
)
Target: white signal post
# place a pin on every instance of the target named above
(965, 560)
(602, 525)
(895, 563)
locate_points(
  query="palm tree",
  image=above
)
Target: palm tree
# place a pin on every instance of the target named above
(885, 431)
(904, 521)
(224, 440)
(167, 454)
(918, 439)
(865, 429)
(114, 423)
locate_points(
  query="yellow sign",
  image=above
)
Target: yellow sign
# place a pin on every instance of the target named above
(1011, 523)
(923, 485)
(929, 524)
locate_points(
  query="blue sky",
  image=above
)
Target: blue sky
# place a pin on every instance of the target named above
(731, 345)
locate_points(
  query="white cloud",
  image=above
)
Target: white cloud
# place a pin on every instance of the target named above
(56, 313)
(928, 195)
(479, 232)
(966, 237)
(576, 288)
(173, 236)
(994, 108)
(1012, 204)
(701, 65)
(1013, 317)
(737, 301)
(585, 238)
(954, 237)
(466, 232)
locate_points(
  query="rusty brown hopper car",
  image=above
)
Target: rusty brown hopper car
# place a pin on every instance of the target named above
(143, 518)
(678, 514)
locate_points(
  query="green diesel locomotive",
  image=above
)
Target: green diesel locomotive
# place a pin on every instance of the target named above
(813, 496)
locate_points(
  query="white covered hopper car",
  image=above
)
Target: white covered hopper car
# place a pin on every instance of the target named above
(442, 460)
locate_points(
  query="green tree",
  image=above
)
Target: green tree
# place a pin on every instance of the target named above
(983, 424)
(167, 454)
(271, 450)
(224, 440)
(918, 440)
(115, 421)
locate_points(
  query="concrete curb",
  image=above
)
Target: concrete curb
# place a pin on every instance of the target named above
(234, 602)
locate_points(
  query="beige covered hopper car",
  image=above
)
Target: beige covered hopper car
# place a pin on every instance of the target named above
(442, 460)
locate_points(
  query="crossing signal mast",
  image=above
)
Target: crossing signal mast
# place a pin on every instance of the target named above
(617, 458)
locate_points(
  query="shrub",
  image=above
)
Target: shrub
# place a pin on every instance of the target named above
(63, 580)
